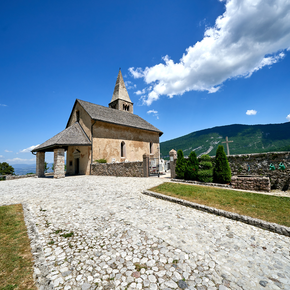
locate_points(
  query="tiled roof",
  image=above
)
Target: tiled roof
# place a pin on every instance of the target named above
(73, 135)
(109, 115)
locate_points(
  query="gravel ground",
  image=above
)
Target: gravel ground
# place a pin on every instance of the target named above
(92, 232)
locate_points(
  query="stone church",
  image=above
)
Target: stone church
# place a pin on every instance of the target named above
(95, 132)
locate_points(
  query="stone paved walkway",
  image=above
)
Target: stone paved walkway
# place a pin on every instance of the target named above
(102, 233)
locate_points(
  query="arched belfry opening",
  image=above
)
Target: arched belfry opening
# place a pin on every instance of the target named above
(120, 99)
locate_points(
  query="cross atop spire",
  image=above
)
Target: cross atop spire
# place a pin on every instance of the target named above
(120, 99)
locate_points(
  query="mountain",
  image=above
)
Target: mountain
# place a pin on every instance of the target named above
(23, 169)
(246, 139)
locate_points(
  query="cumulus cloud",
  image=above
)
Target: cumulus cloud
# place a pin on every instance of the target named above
(129, 85)
(8, 151)
(251, 112)
(26, 150)
(140, 92)
(3, 105)
(288, 117)
(250, 35)
(1, 156)
(154, 113)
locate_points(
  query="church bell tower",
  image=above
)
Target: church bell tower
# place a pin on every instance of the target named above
(121, 100)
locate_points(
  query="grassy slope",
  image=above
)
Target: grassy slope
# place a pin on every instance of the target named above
(247, 139)
(266, 207)
(16, 262)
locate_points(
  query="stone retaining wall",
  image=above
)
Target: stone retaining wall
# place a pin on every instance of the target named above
(259, 164)
(256, 183)
(124, 169)
(11, 177)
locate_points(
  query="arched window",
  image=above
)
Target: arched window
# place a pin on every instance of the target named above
(123, 149)
(151, 148)
(78, 116)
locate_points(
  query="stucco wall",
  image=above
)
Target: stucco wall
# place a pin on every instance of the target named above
(85, 159)
(107, 140)
(85, 119)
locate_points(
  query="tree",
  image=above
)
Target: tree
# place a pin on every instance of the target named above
(180, 165)
(6, 169)
(191, 169)
(222, 171)
(45, 167)
(205, 169)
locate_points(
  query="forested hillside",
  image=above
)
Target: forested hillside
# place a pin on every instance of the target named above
(246, 139)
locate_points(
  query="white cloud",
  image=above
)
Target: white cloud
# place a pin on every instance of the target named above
(8, 151)
(154, 113)
(28, 149)
(129, 85)
(1, 156)
(19, 160)
(3, 105)
(288, 117)
(250, 35)
(140, 92)
(251, 112)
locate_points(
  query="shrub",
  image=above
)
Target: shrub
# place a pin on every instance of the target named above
(101, 161)
(180, 165)
(205, 171)
(222, 171)
(191, 169)
(6, 169)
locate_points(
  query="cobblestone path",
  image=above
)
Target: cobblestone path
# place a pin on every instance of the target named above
(102, 233)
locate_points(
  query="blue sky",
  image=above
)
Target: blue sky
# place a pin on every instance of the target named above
(188, 65)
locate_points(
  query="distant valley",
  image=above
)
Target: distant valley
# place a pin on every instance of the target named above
(246, 139)
(22, 169)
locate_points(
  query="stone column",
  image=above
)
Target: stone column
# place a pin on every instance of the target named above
(173, 158)
(146, 165)
(59, 163)
(40, 158)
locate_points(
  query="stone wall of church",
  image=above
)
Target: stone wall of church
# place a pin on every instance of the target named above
(84, 160)
(107, 139)
(124, 169)
(84, 119)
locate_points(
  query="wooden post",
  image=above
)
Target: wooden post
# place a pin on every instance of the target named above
(227, 142)
(146, 165)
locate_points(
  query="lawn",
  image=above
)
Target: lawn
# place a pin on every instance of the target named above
(265, 207)
(16, 262)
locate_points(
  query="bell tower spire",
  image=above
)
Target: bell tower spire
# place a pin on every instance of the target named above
(120, 99)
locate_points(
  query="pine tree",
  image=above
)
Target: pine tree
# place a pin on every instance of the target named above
(180, 165)
(205, 169)
(191, 170)
(222, 171)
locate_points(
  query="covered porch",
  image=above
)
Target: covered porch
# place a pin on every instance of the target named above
(72, 138)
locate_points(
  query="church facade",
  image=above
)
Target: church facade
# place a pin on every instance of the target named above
(96, 132)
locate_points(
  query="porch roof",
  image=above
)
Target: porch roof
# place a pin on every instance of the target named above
(71, 136)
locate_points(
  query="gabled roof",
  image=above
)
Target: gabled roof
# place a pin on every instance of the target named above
(113, 116)
(120, 91)
(71, 136)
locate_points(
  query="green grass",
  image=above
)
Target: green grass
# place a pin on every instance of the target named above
(265, 207)
(16, 262)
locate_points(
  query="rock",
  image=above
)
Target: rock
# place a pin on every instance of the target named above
(263, 283)
(182, 284)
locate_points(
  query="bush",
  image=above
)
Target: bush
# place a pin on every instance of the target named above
(191, 169)
(222, 171)
(180, 165)
(6, 169)
(101, 161)
(205, 171)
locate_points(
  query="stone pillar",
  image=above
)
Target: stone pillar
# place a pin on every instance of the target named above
(146, 165)
(59, 163)
(40, 158)
(173, 158)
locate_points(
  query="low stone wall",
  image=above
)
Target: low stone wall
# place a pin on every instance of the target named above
(124, 169)
(256, 183)
(259, 165)
(11, 177)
